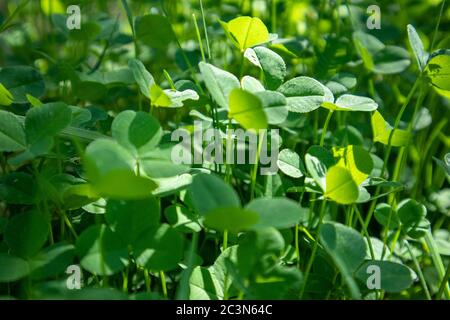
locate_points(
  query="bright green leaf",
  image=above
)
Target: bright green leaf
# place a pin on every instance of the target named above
(247, 32)
(357, 160)
(382, 130)
(438, 71)
(247, 109)
(6, 98)
(340, 186)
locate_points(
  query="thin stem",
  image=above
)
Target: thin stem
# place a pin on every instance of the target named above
(419, 271)
(274, 16)
(5, 25)
(433, 42)
(314, 250)
(183, 54)
(3, 164)
(366, 233)
(297, 247)
(397, 123)
(255, 166)
(316, 126)
(229, 147)
(350, 16)
(389, 148)
(349, 215)
(169, 79)
(338, 18)
(163, 284)
(225, 282)
(147, 280)
(125, 280)
(130, 21)
(206, 31)
(424, 159)
(444, 283)
(325, 127)
(225, 240)
(68, 223)
(199, 38)
(437, 260)
(401, 158)
(183, 289)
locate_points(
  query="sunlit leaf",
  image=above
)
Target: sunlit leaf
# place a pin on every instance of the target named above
(246, 32)
(247, 109)
(340, 186)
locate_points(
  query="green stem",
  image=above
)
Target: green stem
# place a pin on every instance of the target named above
(437, 261)
(297, 247)
(366, 233)
(3, 164)
(419, 271)
(338, 18)
(66, 220)
(325, 127)
(228, 148)
(130, 21)
(183, 289)
(397, 123)
(147, 280)
(423, 160)
(316, 126)
(5, 25)
(125, 280)
(225, 240)
(199, 38)
(183, 54)
(255, 166)
(206, 31)
(444, 283)
(371, 88)
(401, 158)
(274, 15)
(163, 284)
(433, 42)
(314, 250)
(389, 148)
(169, 79)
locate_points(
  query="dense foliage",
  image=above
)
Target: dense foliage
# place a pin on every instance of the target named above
(359, 207)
